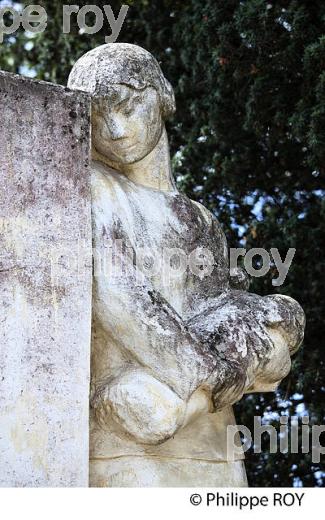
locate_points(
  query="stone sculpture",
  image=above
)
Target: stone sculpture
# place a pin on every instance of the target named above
(172, 348)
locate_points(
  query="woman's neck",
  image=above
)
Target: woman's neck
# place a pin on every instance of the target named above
(154, 171)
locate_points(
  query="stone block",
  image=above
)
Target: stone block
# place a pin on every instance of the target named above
(45, 284)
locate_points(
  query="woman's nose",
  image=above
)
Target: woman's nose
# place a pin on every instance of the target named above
(116, 128)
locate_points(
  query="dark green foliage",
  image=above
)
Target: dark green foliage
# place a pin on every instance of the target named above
(248, 141)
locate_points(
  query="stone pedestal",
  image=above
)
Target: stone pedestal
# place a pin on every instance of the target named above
(45, 284)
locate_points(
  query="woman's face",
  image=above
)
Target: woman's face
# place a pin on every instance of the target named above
(126, 124)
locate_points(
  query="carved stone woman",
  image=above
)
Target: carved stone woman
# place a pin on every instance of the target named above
(174, 343)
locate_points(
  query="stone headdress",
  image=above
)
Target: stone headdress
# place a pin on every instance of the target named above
(121, 63)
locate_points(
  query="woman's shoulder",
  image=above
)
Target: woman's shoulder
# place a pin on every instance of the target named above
(206, 214)
(103, 174)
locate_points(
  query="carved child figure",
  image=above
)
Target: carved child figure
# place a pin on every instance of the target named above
(172, 348)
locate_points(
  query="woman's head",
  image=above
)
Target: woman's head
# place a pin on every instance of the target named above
(131, 100)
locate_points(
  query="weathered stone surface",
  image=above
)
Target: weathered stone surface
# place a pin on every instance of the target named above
(172, 348)
(45, 294)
